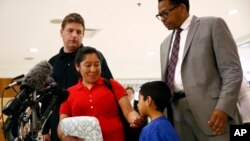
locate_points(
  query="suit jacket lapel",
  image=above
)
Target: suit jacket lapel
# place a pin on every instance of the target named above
(165, 49)
(192, 30)
(169, 47)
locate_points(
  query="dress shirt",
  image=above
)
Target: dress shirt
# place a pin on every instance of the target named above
(178, 86)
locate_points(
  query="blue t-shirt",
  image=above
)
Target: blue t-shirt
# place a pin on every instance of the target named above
(159, 129)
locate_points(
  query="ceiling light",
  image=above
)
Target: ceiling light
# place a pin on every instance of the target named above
(33, 50)
(233, 12)
(28, 58)
(56, 21)
(245, 45)
(151, 53)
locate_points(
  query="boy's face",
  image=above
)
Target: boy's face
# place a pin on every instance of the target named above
(142, 106)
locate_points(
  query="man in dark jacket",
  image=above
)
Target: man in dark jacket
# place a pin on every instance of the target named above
(64, 71)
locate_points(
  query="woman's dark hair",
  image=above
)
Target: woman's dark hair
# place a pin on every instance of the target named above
(158, 91)
(178, 2)
(82, 52)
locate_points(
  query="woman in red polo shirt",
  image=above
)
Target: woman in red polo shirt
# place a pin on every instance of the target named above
(91, 97)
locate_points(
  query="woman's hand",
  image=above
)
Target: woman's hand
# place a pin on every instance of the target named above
(130, 114)
(139, 121)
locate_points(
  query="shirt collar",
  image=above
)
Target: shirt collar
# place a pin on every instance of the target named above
(71, 54)
(100, 81)
(185, 25)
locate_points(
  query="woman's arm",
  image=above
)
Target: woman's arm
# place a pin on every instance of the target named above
(60, 133)
(129, 112)
(64, 137)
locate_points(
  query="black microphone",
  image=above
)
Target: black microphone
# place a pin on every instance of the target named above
(18, 77)
(33, 81)
(17, 82)
(46, 91)
(53, 89)
(50, 87)
(49, 84)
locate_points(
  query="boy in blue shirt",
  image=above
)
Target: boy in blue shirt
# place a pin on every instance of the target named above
(153, 98)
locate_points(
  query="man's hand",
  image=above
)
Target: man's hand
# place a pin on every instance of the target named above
(218, 121)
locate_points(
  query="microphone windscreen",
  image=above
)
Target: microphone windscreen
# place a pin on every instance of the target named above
(36, 77)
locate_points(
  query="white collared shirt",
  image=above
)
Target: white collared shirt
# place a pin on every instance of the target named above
(177, 78)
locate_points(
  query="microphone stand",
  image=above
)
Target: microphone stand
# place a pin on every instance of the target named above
(34, 122)
(13, 123)
(49, 110)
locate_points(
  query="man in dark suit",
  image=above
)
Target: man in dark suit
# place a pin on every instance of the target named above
(207, 75)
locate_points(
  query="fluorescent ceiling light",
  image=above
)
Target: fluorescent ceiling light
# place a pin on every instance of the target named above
(33, 50)
(233, 12)
(28, 58)
(151, 53)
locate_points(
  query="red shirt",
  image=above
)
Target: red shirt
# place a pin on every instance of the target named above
(99, 102)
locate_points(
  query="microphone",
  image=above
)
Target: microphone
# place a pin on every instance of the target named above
(49, 84)
(58, 94)
(37, 76)
(18, 82)
(33, 81)
(18, 77)
(50, 87)
(46, 91)
(54, 90)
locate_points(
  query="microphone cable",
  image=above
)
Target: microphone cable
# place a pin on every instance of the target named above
(2, 118)
(2, 97)
(2, 106)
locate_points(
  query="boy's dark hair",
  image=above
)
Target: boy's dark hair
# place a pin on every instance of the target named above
(82, 52)
(178, 2)
(73, 18)
(158, 91)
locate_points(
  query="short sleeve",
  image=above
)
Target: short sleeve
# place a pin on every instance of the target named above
(65, 108)
(118, 89)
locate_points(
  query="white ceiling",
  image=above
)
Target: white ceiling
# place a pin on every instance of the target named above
(129, 35)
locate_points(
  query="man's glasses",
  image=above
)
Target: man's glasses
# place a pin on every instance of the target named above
(164, 13)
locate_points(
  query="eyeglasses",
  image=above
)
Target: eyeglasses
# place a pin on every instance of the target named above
(164, 13)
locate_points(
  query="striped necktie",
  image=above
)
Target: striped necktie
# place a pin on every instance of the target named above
(173, 61)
